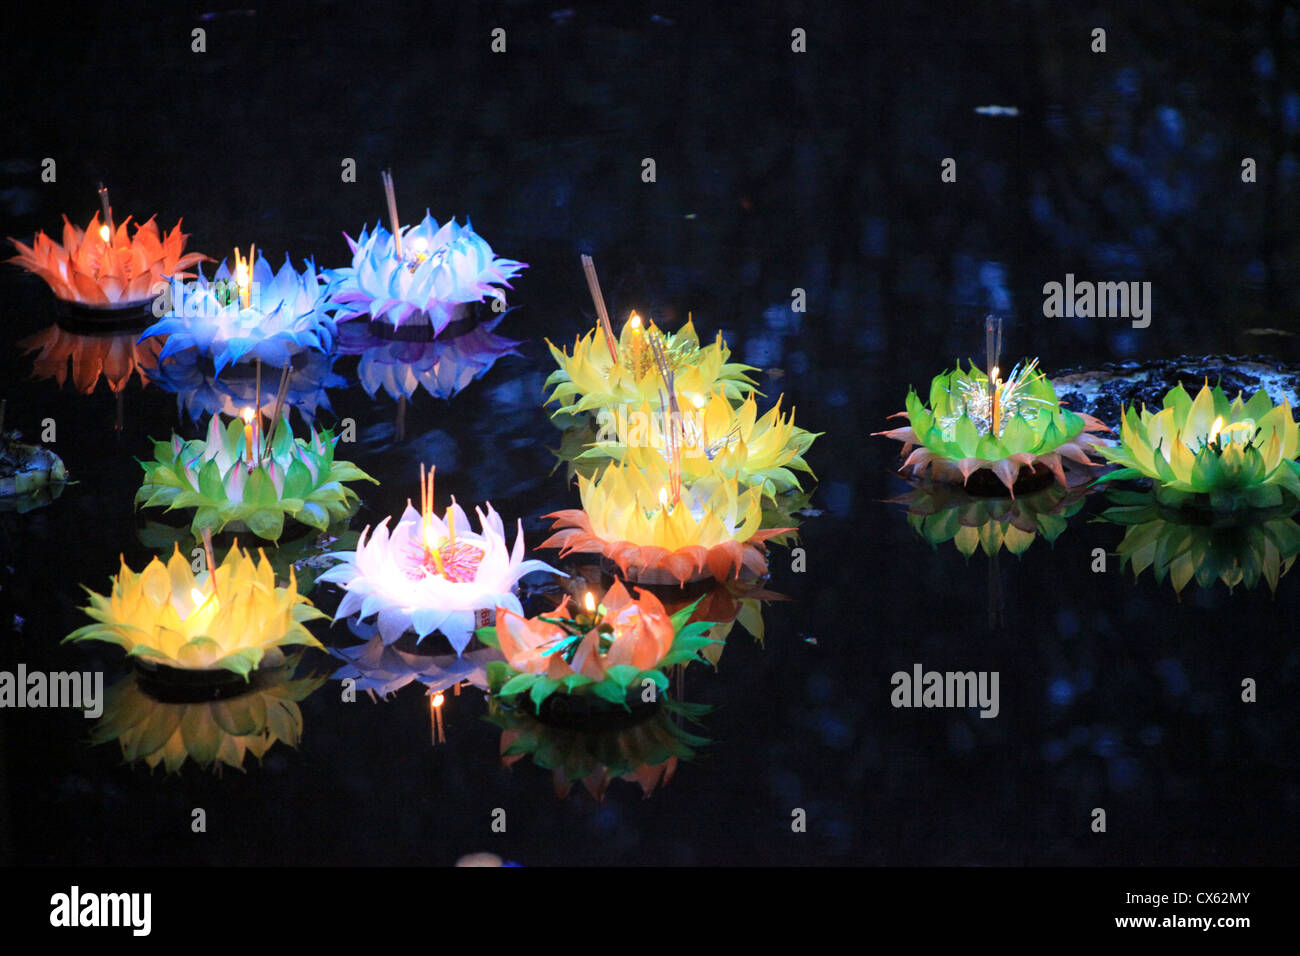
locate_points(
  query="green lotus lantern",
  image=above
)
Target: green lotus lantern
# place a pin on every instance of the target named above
(234, 478)
(1013, 428)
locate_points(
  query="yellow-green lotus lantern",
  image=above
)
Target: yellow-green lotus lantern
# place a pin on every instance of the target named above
(1228, 454)
(233, 619)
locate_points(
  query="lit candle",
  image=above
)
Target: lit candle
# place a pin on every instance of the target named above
(205, 608)
(105, 233)
(1219, 429)
(699, 401)
(108, 213)
(1215, 429)
(243, 276)
(995, 388)
(589, 602)
(420, 250)
(248, 435)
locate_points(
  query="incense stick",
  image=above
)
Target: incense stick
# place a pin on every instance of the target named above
(108, 211)
(280, 395)
(391, 195)
(593, 285)
(992, 342)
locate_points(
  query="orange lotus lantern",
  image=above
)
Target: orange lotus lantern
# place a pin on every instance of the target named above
(105, 266)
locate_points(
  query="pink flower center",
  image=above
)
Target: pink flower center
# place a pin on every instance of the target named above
(460, 562)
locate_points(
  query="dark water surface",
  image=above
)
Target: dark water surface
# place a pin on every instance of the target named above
(775, 170)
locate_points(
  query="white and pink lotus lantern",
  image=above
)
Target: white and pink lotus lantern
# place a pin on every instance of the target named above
(432, 573)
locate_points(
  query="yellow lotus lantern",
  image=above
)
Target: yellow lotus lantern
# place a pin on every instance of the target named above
(716, 438)
(657, 532)
(595, 376)
(229, 620)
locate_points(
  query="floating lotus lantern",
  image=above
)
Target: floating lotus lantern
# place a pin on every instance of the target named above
(1237, 548)
(720, 604)
(87, 357)
(107, 267)
(442, 366)
(1233, 453)
(646, 754)
(655, 532)
(418, 275)
(229, 619)
(426, 280)
(608, 649)
(1011, 428)
(941, 512)
(209, 733)
(717, 438)
(597, 376)
(237, 477)
(248, 314)
(432, 573)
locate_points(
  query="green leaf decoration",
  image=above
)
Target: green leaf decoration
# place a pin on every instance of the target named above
(518, 684)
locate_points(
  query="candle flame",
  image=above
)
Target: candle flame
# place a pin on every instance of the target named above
(589, 602)
(663, 497)
(105, 233)
(201, 602)
(1215, 429)
(634, 322)
(437, 700)
(247, 416)
(699, 401)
